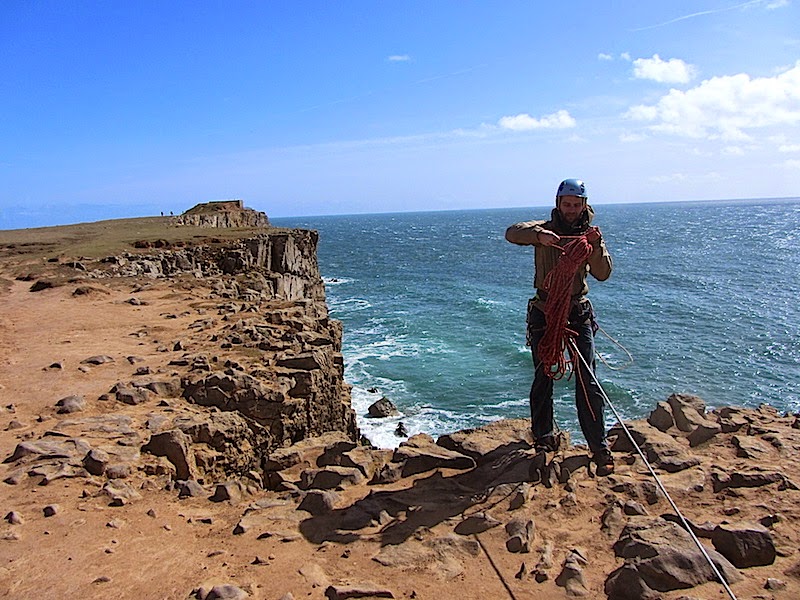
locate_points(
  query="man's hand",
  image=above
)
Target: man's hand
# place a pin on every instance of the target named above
(593, 235)
(547, 238)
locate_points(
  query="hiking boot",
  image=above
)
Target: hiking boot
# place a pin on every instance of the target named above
(604, 461)
(547, 443)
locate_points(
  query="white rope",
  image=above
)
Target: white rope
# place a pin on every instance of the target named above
(655, 476)
(620, 346)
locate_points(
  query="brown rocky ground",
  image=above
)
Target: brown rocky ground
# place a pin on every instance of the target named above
(325, 518)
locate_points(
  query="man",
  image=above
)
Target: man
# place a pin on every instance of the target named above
(572, 216)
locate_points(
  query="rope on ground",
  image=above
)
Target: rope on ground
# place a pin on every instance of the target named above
(660, 485)
(558, 285)
(494, 566)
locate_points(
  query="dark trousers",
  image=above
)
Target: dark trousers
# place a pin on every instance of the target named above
(588, 397)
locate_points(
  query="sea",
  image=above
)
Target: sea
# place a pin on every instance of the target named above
(704, 299)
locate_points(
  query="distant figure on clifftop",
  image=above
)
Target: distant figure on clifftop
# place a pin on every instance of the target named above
(566, 249)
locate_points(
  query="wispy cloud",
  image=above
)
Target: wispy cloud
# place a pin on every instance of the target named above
(769, 4)
(733, 151)
(629, 138)
(725, 107)
(673, 70)
(669, 178)
(524, 122)
(604, 56)
(398, 58)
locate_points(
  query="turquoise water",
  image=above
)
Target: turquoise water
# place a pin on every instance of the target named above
(703, 295)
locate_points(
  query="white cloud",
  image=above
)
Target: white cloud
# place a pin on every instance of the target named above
(398, 58)
(777, 4)
(669, 178)
(792, 164)
(724, 107)
(673, 70)
(733, 151)
(789, 148)
(625, 56)
(604, 56)
(524, 122)
(627, 138)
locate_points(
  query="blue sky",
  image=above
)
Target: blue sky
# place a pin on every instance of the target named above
(112, 109)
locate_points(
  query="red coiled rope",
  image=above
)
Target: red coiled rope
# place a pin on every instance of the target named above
(558, 285)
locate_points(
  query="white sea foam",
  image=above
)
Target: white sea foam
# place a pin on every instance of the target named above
(489, 302)
(337, 280)
(348, 304)
(381, 431)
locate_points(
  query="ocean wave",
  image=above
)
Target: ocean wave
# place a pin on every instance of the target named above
(432, 421)
(348, 304)
(361, 348)
(337, 280)
(489, 302)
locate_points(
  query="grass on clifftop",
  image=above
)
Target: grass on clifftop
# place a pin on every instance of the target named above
(105, 238)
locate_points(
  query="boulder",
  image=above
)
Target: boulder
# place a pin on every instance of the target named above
(661, 450)
(661, 417)
(520, 535)
(97, 360)
(660, 556)
(330, 478)
(689, 413)
(132, 395)
(95, 461)
(121, 493)
(571, 576)
(485, 443)
(745, 545)
(382, 408)
(365, 589)
(755, 477)
(70, 404)
(419, 454)
(174, 444)
(318, 502)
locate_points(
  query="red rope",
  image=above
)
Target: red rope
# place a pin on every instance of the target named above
(558, 285)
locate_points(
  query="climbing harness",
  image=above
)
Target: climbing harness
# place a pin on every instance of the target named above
(660, 485)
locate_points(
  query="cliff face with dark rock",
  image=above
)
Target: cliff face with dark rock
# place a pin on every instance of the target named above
(274, 265)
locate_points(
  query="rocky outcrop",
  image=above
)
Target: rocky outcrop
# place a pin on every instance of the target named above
(430, 506)
(224, 213)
